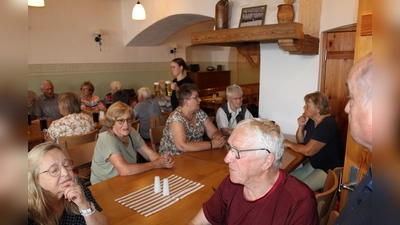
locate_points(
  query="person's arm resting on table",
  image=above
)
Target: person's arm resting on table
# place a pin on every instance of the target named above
(125, 169)
(199, 218)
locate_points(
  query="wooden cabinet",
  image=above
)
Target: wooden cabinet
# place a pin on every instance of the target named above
(205, 80)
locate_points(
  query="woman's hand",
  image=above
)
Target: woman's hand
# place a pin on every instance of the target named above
(74, 192)
(165, 161)
(218, 141)
(302, 120)
(174, 86)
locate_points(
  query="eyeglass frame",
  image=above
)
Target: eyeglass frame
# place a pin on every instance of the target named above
(237, 156)
(70, 166)
(122, 121)
(197, 98)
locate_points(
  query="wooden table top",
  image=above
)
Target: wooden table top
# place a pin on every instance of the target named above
(205, 172)
(209, 103)
(290, 159)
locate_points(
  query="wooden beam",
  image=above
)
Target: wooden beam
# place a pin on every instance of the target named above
(251, 51)
(263, 33)
(307, 46)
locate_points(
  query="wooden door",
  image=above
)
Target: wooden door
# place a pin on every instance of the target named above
(356, 154)
(337, 60)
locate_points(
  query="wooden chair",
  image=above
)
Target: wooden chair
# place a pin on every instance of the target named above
(156, 134)
(332, 217)
(324, 199)
(71, 141)
(82, 156)
(136, 125)
(156, 121)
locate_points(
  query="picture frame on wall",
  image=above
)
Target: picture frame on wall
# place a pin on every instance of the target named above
(253, 16)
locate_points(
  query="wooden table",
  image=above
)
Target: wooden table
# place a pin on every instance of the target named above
(208, 102)
(290, 159)
(205, 172)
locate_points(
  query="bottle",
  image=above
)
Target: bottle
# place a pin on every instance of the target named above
(221, 14)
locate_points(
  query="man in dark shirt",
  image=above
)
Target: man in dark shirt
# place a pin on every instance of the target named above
(358, 207)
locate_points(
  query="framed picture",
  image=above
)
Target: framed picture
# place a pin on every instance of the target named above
(253, 16)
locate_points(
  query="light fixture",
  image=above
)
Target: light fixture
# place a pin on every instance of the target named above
(138, 12)
(36, 3)
(173, 50)
(98, 33)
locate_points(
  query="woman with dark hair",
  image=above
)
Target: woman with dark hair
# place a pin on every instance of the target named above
(74, 122)
(318, 136)
(55, 194)
(89, 101)
(178, 67)
(187, 124)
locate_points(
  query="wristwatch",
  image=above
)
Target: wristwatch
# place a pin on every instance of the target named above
(89, 211)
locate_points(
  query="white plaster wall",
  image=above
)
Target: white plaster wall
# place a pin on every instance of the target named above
(285, 79)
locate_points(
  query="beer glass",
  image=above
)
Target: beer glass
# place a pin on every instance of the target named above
(157, 88)
(169, 88)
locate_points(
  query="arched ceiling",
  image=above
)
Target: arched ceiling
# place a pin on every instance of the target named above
(159, 31)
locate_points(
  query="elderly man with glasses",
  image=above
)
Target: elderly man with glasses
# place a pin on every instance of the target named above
(257, 191)
(233, 111)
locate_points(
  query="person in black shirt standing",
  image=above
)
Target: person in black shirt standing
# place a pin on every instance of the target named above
(178, 67)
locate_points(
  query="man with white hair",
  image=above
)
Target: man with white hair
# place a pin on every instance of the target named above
(46, 106)
(114, 87)
(145, 108)
(257, 191)
(233, 111)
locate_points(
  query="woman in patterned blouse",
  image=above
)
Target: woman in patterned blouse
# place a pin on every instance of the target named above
(187, 124)
(89, 101)
(74, 122)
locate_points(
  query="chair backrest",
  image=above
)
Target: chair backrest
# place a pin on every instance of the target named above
(156, 121)
(324, 199)
(332, 217)
(82, 156)
(136, 125)
(156, 134)
(71, 141)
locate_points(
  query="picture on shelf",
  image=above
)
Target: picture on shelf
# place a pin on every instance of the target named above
(253, 16)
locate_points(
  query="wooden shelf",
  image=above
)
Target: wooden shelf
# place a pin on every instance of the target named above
(289, 36)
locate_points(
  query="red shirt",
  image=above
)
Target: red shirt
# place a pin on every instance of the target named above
(288, 202)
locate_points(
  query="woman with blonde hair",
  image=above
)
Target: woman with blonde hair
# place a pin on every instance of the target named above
(55, 195)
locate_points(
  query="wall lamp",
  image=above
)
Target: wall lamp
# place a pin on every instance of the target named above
(138, 12)
(173, 50)
(36, 3)
(98, 33)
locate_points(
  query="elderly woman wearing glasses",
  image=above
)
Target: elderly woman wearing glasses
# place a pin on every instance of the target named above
(55, 195)
(187, 124)
(116, 149)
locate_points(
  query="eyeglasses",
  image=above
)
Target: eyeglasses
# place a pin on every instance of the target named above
(235, 99)
(48, 89)
(197, 98)
(122, 121)
(54, 170)
(236, 152)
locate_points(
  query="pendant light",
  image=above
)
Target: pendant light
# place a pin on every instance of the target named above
(138, 12)
(36, 3)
